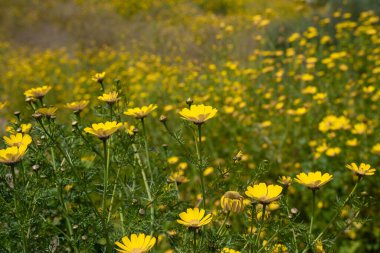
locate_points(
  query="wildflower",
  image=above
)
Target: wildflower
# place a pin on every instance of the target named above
(47, 111)
(227, 250)
(12, 155)
(25, 128)
(173, 160)
(319, 247)
(313, 180)
(18, 140)
(2, 105)
(77, 106)
(103, 130)
(194, 218)
(98, 77)
(198, 114)
(140, 112)
(238, 157)
(140, 243)
(376, 149)
(129, 128)
(110, 97)
(279, 248)
(285, 180)
(178, 177)
(264, 193)
(37, 93)
(232, 201)
(362, 170)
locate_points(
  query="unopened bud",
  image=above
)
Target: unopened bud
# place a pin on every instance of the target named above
(189, 101)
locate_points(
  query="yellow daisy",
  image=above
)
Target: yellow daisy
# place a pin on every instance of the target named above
(103, 130)
(362, 170)
(313, 180)
(140, 112)
(198, 114)
(194, 218)
(18, 140)
(12, 155)
(140, 243)
(263, 193)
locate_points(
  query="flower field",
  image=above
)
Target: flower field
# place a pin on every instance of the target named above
(198, 126)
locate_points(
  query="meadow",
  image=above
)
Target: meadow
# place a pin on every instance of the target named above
(189, 126)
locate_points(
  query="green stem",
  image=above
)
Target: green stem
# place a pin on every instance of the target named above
(195, 241)
(200, 169)
(60, 196)
(146, 149)
(224, 222)
(151, 174)
(105, 174)
(312, 215)
(261, 226)
(113, 195)
(15, 199)
(338, 212)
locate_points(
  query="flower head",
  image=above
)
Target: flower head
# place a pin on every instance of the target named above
(77, 106)
(140, 243)
(285, 181)
(110, 97)
(362, 170)
(98, 77)
(47, 111)
(194, 218)
(227, 250)
(313, 180)
(140, 112)
(264, 193)
(12, 155)
(198, 114)
(38, 92)
(232, 201)
(18, 140)
(103, 130)
(178, 177)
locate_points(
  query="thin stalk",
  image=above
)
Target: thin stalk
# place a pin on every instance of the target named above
(339, 211)
(15, 199)
(150, 199)
(261, 226)
(224, 222)
(200, 169)
(60, 196)
(105, 174)
(312, 215)
(195, 241)
(146, 149)
(113, 195)
(151, 174)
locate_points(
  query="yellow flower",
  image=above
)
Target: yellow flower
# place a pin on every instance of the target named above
(140, 112)
(264, 193)
(18, 140)
(77, 106)
(173, 159)
(194, 218)
(110, 97)
(2, 105)
(129, 128)
(376, 149)
(178, 177)
(47, 111)
(319, 247)
(279, 248)
(140, 243)
(227, 250)
(285, 181)
(232, 201)
(38, 92)
(98, 77)
(25, 128)
(12, 155)
(313, 180)
(362, 170)
(198, 114)
(103, 130)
